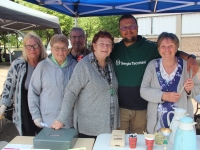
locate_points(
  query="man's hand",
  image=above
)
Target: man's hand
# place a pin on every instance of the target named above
(170, 96)
(2, 109)
(193, 65)
(57, 125)
(38, 122)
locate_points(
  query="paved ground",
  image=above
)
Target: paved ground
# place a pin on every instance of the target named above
(8, 130)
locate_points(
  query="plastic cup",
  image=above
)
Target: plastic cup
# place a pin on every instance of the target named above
(132, 142)
(159, 139)
(149, 141)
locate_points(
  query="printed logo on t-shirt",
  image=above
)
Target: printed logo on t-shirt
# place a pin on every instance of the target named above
(118, 63)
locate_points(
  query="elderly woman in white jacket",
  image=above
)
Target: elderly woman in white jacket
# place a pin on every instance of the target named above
(162, 83)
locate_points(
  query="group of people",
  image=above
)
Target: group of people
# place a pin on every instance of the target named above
(130, 85)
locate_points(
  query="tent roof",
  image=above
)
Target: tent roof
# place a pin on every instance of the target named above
(83, 8)
(14, 16)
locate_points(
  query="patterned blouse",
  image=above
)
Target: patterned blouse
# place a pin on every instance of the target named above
(168, 84)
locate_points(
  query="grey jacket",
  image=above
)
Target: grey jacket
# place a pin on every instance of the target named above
(89, 94)
(151, 91)
(46, 90)
(13, 88)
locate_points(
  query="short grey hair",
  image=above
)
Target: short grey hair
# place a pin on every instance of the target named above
(77, 29)
(166, 35)
(32, 35)
(59, 38)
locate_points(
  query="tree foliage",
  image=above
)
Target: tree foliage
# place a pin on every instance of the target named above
(110, 23)
(66, 22)
(91, 25)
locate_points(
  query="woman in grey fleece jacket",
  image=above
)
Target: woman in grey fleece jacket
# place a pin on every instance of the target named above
(159, 93)
(92, 92)
(48, 82)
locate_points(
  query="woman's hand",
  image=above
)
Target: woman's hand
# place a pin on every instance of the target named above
(189, 85)
(170, 96)
(38, 122)
(57, 125)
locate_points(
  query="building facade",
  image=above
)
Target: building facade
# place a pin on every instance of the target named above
(185, 26)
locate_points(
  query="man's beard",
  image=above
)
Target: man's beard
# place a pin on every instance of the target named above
(78, 47)
(132, 40)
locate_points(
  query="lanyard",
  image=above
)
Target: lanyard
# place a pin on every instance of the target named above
(111, 90)
(105, 75)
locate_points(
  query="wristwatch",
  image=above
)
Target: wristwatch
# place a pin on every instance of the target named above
(191, 55)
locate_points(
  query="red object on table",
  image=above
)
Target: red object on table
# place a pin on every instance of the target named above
(149, 144)
(132, 142)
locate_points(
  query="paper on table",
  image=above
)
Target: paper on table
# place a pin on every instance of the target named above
(197, 98)
(44, 125)
(22, 149)
(19, 146)
(82, 148)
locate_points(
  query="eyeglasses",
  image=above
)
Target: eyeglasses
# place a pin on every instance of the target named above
(132, 27)
(79, 37)
(29, 47)
(105, 45)
(63, 49)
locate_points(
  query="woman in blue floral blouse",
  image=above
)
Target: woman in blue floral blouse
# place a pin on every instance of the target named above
(162, 83)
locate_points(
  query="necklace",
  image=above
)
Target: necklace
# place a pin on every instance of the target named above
(169, 69)
(170, 66)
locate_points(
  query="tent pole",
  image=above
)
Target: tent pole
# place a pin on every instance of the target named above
(57, 30)
(9, 46)
(76, 21)
(10, 57)
(10, 54)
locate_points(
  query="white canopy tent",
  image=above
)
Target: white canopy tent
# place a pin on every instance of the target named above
(15, 18)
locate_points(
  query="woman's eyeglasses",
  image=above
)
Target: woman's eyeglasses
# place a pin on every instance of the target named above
(105, 45)
(29, 47)
(63, 49)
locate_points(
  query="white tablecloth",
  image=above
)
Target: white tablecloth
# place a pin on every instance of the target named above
(103, 143)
